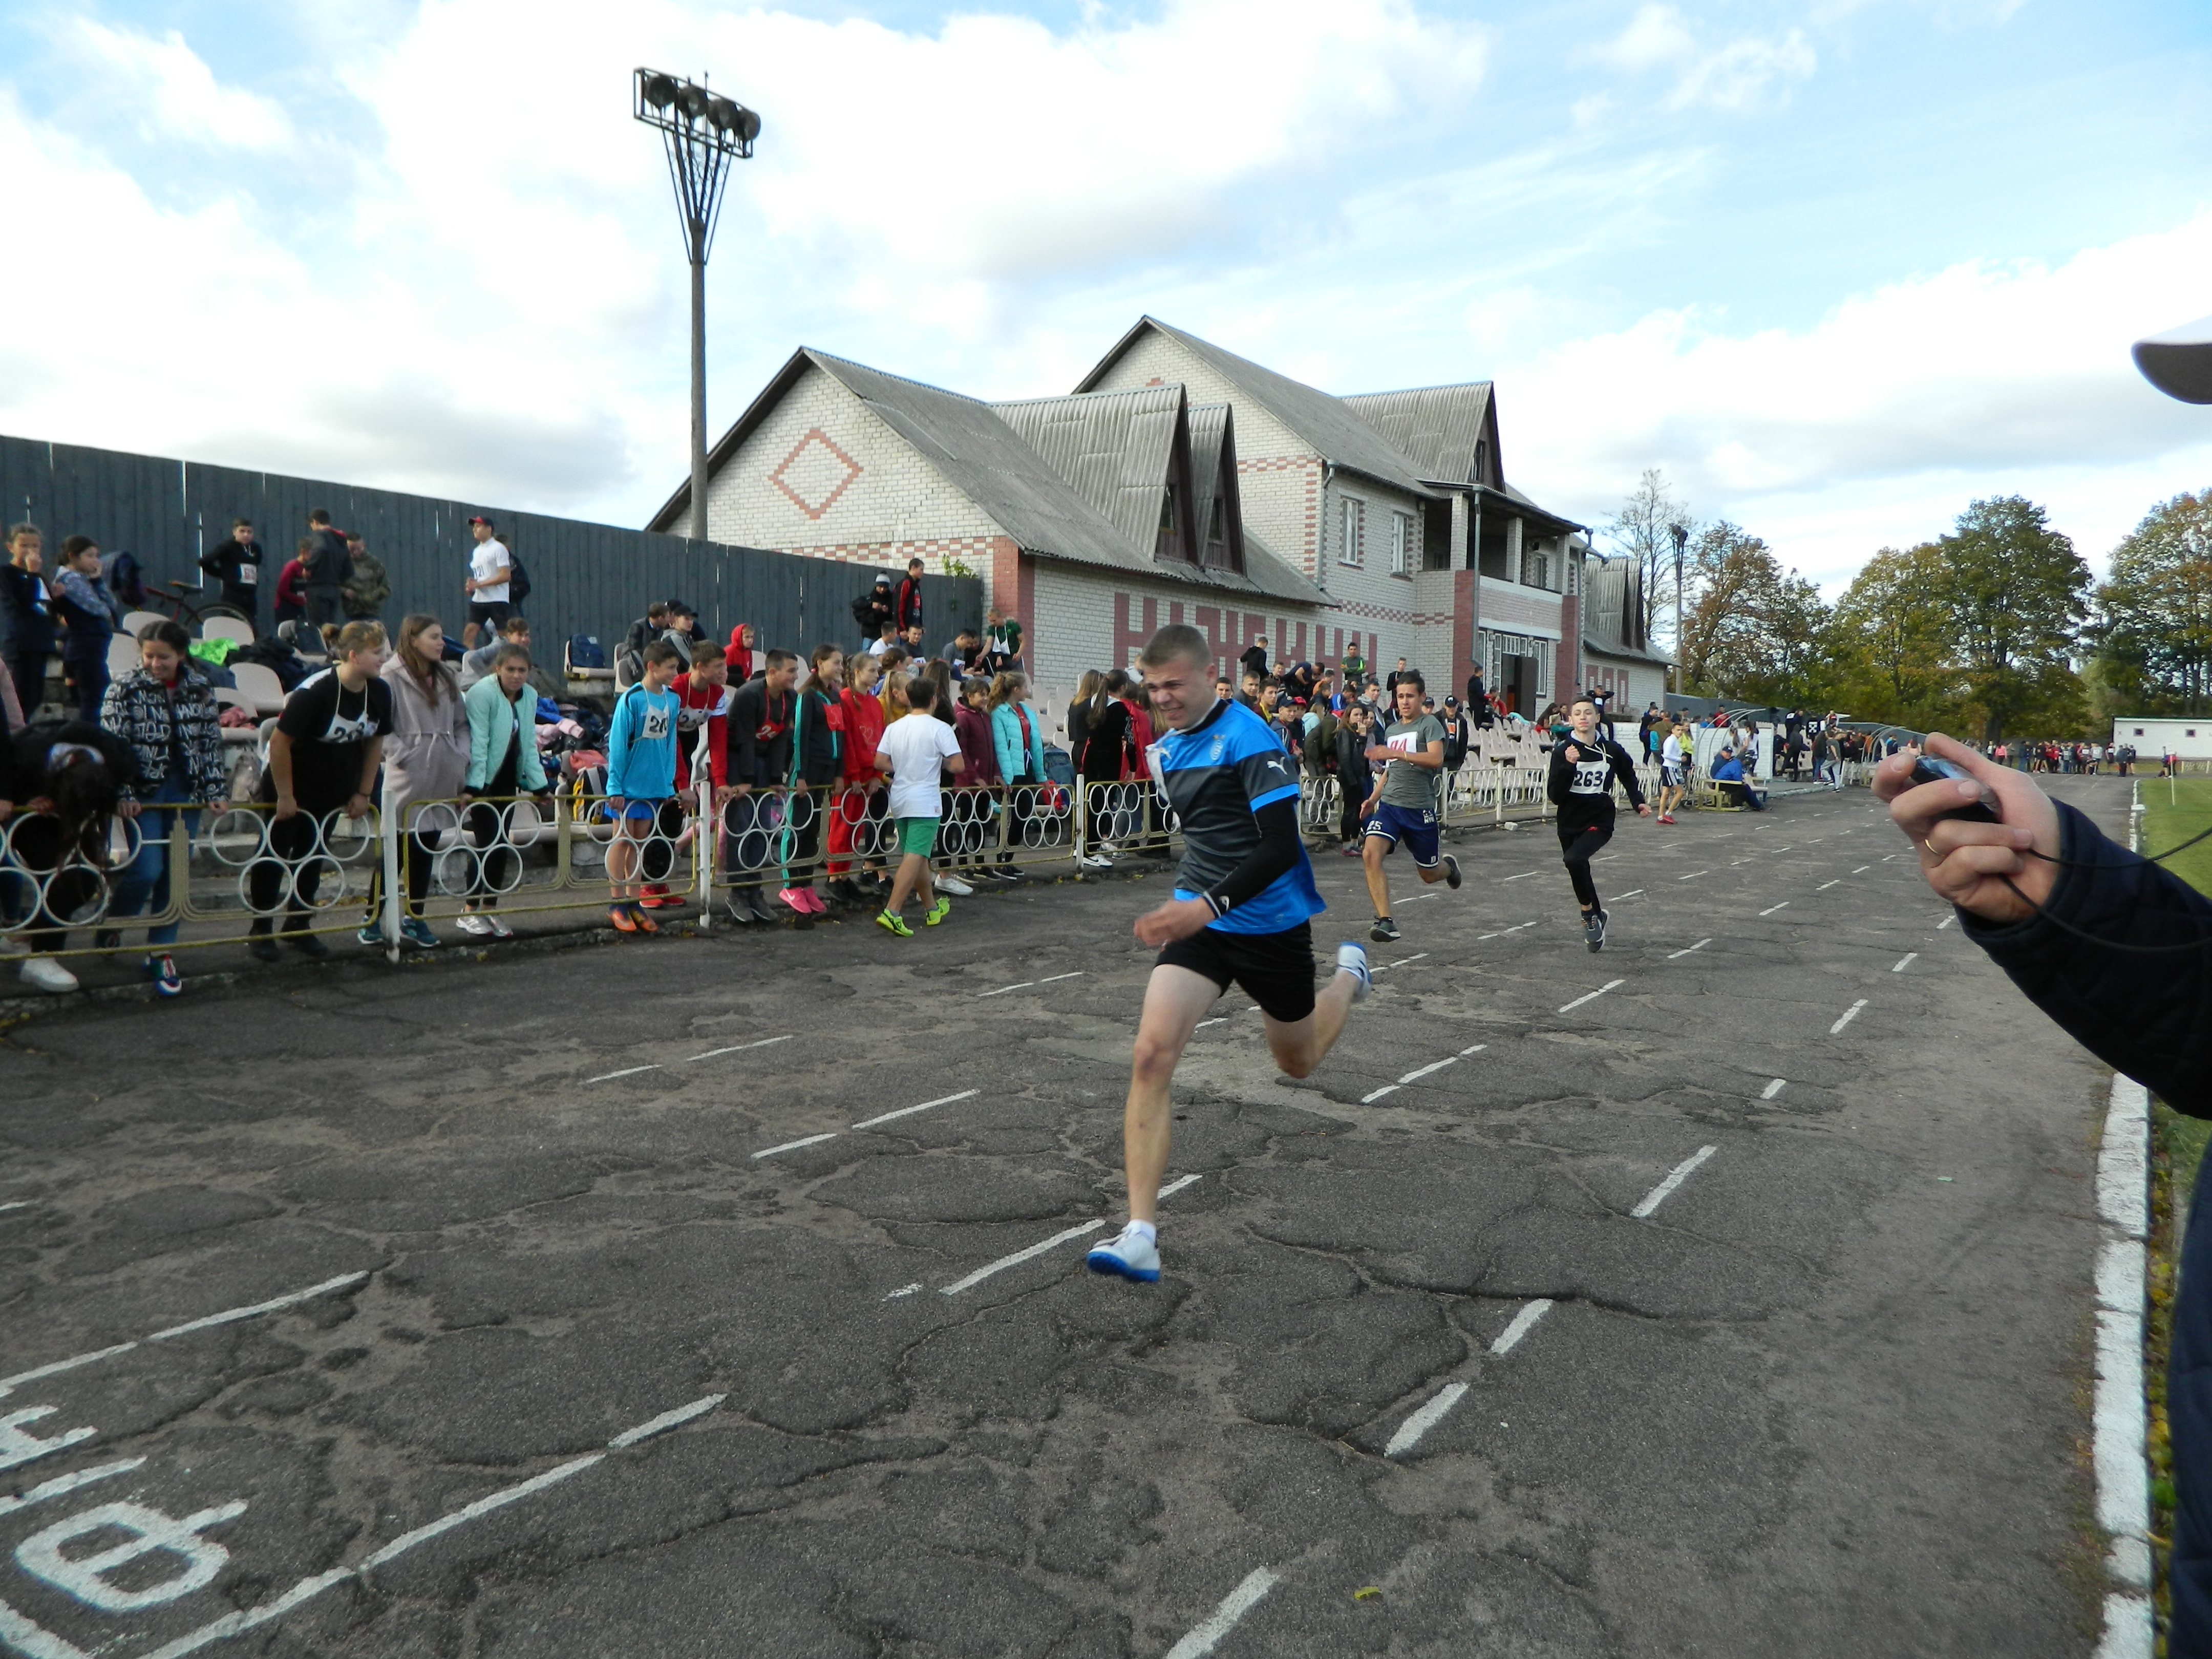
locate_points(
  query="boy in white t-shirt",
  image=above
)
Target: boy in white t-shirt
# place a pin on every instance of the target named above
(1674, 774)
(911, 750)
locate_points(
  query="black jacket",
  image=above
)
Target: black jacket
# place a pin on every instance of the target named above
(872, 610)
(1577, 781)
(758, 733)
(23, 757)
(223, 561)
(325, 563)
(907, 607)
(2150, 1017)
(1354, 772)
(27, 613)
(819, 725)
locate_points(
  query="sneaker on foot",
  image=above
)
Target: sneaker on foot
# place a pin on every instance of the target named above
(1126, 1255)
(1351, 958)
(262, 948)
(645, 924)
(1451, 873)
(417, 932)
(499, 929)
(107, 939)
(891, 924)
(310, 945)
(44, 973)
(623, 920)
(163, 969)
(954, 885)
(372, 933)
(1384, 930)
(936, 913)
(472, 923)
(1594, 931)
(794, 899)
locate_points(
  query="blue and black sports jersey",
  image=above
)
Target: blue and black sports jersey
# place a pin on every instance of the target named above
(1215, 777)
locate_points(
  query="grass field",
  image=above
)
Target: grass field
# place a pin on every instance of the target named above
(2174, 810)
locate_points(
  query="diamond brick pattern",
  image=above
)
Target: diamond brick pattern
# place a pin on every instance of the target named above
(815, 473)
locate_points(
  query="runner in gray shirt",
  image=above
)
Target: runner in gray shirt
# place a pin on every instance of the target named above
(1408, 756)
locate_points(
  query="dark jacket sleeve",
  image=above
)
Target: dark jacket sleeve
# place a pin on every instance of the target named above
(1557, 779)
(739, 730)
(1625, 771)
(2147, 1015)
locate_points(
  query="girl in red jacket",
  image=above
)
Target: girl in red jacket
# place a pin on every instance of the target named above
(859, 813)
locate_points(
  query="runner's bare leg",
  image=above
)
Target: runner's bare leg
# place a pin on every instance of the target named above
(1299, 1045)
(1175, 1000)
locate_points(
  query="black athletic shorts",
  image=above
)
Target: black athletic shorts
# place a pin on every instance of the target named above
(1275, 970)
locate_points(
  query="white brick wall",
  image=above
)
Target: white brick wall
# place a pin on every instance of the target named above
(895, 504)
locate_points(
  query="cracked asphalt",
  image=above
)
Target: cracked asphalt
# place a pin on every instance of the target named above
(1828, 1398)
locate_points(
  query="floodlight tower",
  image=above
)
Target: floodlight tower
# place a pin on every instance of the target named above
(703, 131)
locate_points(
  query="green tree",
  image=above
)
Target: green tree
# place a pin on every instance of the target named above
(2154, 628)
(2015, 596)
(1892, 650)
(1752, 631)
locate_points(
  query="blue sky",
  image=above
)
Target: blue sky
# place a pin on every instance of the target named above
(1837, 268)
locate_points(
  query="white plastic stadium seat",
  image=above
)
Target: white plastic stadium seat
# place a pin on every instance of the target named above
(261, 685)
(135, 620)
(122, 657)
(227, 628)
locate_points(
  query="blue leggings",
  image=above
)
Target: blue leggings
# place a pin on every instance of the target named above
(147, 875)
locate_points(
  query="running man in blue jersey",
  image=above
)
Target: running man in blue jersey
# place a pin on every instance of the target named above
(1241, 915)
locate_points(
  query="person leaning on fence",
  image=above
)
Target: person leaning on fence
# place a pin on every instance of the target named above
(818, 745)
(861, 797)
(1018, 753)
(702, 692)
(971, 729)
(1110, 755)
(503, 764)
(1355, 775)
(323, 760)
(425, 758)
(166, 711)
(641, 779)
(61, 787)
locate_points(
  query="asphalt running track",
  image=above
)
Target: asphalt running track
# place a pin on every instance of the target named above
(1726, 1292)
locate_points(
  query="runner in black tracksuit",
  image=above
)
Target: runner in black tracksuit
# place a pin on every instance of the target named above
(1584, 767)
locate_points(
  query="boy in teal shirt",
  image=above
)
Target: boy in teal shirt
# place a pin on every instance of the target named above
(641, 778)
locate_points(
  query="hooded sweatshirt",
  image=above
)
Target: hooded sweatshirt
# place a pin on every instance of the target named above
(1581, 787)
(739, 656)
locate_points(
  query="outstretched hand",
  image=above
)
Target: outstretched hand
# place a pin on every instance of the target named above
(1176, 919)
(1969, 863)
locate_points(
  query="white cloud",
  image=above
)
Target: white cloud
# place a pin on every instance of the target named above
(1737, 76)
(177, 91)
(1982, 377)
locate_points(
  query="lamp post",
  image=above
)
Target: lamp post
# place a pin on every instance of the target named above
(702, 131)
(1681, 534)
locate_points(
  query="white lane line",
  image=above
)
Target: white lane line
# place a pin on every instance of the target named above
(908, 1111)
(1906, 962)
(1633, 892)
(1862, 869)
(1825, 885)
(904, 1290)
(1772, 1089)
(1018, 1257)
(1849, 1014)
(1415, 898)
(62, 1485)
(1604, 858)
(1785, 905)
(1411, 1430)
(1685, 951)
(1054, 979)
(1503, 932)
(1693, 875)
(1203, 1023)
(1003, 989)
(1476, 1049)
(1947, 921)
(1387, 1089)
(1885, 857)
(1449, 1060)
(20, 1204)
(1386, 967)
(1175, 1187)
(734, 1048)
(228, 1315)
(1523, 1322)
(1523, 876)
(627, 1071)
(1675, 1177)
(1205, 1636)
(236, 1624)
(793, 1146)
(1569, 1007)
(665, 1421)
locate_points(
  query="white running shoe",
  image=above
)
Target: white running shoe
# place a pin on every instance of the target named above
(1351, 958)
(954, 885)
(1095, 861)
(44, 973)
(475, 924)
(1126, 1255)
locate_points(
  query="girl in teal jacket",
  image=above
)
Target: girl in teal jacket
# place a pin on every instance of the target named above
(503, 762)
(1017, 738)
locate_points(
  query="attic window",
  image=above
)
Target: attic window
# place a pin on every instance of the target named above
(1168, 544)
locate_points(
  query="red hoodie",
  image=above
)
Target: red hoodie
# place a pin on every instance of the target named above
(707, 706)
(740, 655)
(864, 728)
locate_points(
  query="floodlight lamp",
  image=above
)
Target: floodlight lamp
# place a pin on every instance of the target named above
(749, 124)
(721, 113)
(659, 90)
(692, 99)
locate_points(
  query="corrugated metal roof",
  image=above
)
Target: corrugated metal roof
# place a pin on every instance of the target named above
(1324, 422)
(1437, 427)
(1116, 447)
(1213, 443)
(1611, 613)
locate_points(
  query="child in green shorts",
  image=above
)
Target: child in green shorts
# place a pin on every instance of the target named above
(913, 749)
